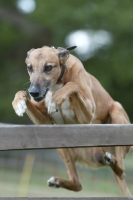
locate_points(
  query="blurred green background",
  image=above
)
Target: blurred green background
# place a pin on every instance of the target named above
(103, 32)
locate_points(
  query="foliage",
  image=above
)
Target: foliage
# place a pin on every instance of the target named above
(49, 24)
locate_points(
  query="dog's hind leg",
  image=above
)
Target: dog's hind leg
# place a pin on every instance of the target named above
(73, 182)
(105, 158)
(119, 116)
(123, 186)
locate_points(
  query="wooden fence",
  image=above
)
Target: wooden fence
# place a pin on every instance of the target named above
(22, 137)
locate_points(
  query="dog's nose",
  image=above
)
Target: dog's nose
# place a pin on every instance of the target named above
(34, 91)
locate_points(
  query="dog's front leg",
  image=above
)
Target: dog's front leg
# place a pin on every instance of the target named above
(82, 106)
(62, 94)
(22, 104)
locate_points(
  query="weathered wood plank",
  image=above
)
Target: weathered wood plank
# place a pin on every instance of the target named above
(56, 136)
(65, 198)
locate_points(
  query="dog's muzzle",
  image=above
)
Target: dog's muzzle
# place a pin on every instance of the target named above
(35, 93)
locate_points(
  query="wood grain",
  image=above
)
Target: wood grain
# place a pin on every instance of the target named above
(61, 136)
(65, 198)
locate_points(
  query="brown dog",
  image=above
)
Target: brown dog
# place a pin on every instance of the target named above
(59, 81)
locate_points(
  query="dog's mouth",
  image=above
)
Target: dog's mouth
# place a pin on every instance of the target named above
(38, 99)
(41, 98)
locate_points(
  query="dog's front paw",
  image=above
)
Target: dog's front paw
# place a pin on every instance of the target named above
(52, 182)
(19, 103)
(52, 107)
(58, 98)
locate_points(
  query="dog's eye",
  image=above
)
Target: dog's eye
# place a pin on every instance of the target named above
(48, 68)
(30, 68)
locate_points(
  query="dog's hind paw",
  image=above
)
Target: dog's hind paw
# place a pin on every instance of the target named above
(21, 108)
(108, 158)
(53, 183)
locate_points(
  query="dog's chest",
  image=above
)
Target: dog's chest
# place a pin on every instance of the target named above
(65, 114)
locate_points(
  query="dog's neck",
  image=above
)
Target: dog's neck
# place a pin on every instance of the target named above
(63, 69)
(67, 74)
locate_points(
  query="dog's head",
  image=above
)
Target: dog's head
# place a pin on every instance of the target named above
(44, 66)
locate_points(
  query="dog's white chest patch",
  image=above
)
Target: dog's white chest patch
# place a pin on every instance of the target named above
(65, 114)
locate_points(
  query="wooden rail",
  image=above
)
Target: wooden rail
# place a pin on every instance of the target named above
(65, 198)
(21, 137)
(56, 136)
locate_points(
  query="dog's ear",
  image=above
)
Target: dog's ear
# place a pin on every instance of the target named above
(28, 54)
(63, 54)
